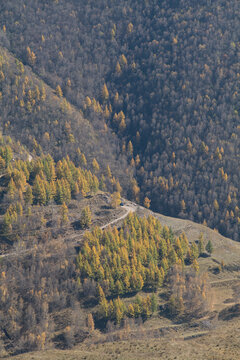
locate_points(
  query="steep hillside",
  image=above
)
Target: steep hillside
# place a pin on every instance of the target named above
(104, 106)
(43, 120)
(66, 268)
(164, 76)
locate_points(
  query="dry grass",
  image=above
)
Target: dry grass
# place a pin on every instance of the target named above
(221, 343)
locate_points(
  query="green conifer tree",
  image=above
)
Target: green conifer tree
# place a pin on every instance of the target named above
(86, 217)
(154, 304)
(209, 247)
(200, 245)
(64, 214)
(28, 195)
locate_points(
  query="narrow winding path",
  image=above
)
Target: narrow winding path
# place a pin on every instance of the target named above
(130, 207)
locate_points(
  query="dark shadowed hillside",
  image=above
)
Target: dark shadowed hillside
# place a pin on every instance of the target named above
(171, 72)
(45, 121)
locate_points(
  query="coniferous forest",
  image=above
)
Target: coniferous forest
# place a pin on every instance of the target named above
(164, 78)
(103, 101)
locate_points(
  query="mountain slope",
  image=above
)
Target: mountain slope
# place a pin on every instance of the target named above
(201, 337)
(171, 72)
(35, 114)
(147, 93)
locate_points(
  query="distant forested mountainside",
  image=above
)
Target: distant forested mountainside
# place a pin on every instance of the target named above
(43, 120)
(163, 76)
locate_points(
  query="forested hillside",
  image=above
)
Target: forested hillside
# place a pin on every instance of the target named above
(164, 76)
(106, 106)
(43, 120)
(55, 298)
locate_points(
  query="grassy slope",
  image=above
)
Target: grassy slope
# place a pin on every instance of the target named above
(219, 345)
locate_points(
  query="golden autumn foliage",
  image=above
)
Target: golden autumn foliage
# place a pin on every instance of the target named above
(49, 180)
(127, 260)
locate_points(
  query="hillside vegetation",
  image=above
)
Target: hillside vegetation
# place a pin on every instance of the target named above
(43, 120)
(164, 77)
(46, 286)
(52, 298)
(104, 101)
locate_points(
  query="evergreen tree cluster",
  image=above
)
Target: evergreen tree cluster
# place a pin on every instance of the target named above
(115, 310)
(42, 181)
(133, 258)
(47, 180)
